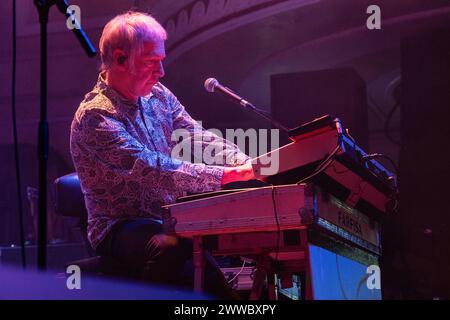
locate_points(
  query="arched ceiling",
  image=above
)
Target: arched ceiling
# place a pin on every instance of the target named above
(314, 35)
(242, 43)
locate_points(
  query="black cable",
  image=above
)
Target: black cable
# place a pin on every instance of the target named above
(278, 230)
(381, 155)
(341, 283)
(322, 166)
(16, 146)
(277, 221)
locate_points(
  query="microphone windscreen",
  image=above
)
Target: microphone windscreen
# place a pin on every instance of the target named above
(210, 84)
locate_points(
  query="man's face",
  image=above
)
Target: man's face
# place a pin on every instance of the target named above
(148, 68)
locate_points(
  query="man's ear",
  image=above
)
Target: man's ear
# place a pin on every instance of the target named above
(120, 60)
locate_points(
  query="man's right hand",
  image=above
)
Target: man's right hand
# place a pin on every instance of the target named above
(239, 173)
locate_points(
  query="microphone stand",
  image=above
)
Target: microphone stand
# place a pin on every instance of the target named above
(244, 103)
(263, 114)
(43, 7)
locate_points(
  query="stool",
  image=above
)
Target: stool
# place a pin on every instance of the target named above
(69, 202)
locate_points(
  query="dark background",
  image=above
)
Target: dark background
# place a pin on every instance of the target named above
(396, 78)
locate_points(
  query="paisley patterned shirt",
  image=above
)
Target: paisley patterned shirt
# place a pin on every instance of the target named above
(122, 154)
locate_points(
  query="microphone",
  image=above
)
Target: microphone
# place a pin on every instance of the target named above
(211, 85)
(63, 6)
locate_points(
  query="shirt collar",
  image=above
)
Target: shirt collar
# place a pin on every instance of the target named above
(115, 96)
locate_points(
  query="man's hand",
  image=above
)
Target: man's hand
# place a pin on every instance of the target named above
(239, 173)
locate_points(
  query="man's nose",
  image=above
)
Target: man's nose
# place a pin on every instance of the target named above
(160, 70)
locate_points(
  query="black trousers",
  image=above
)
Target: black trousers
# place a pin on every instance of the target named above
(160, 258)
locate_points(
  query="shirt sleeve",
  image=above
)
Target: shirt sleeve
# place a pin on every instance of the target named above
(206, 146)
(114, 149)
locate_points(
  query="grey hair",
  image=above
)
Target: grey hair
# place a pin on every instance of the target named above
(128, 32)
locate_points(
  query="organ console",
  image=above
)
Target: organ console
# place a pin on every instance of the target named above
(320, 213)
